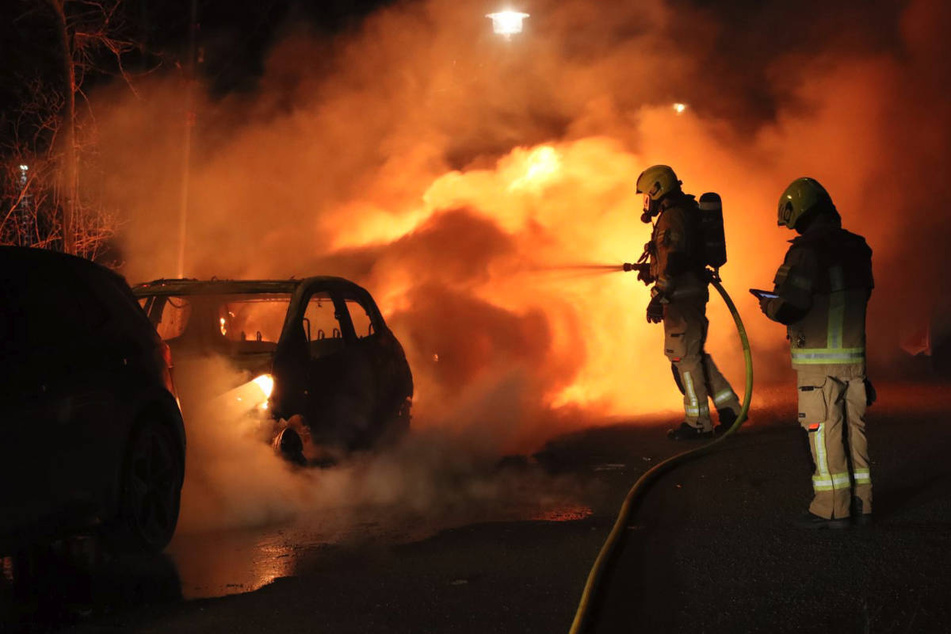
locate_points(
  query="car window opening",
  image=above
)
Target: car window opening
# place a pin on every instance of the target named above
(241, 323)
(322, 324)
(360, 316)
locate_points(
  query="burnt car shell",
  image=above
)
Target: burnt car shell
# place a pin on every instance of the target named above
(335, 362)
(83, 380)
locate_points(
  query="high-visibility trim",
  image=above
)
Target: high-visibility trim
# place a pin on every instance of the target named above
(836, 320)
(782, 274)
(827, 356)
(836, 279)
(723, 397)
(692, 404)
(836, 308)
(690, 392)
(822, 462)
(800, 282)
(830, 482)
(841, 480)
(862, 476)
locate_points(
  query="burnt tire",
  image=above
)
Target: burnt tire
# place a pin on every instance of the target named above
(150, 494)
(291, 446)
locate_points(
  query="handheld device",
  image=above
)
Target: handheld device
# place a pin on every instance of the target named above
(761, 294)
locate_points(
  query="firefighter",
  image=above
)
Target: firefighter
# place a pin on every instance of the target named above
(679, 300)
(823, 289)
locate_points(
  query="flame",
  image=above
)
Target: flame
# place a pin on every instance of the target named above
(246, 398)
(266, 383)
(458, 180)
(539, 167)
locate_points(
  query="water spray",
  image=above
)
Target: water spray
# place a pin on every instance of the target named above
(609, 548)
(585, 267)
(583, 270)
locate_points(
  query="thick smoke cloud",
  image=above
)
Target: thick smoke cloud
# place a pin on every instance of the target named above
(235, 478)
(445, 168)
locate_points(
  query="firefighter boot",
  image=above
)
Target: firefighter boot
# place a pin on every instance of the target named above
(726, 419)
(812, 521)
(689, 432)
(860, 518)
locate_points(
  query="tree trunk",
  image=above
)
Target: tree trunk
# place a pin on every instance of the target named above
(70, 163)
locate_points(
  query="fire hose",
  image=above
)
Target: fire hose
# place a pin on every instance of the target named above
(609, 548)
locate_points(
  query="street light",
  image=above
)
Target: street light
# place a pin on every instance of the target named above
(680, 108)
(507, 23)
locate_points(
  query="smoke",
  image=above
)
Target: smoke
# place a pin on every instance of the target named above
(235, 478)
(452, 173)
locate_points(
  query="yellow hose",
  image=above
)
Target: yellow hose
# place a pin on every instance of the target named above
(607, 550)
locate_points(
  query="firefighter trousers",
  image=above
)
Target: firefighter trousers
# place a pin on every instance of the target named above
(685, 333)
(832, 405)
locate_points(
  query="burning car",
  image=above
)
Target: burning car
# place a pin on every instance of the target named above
(93, 436)
(326, 366)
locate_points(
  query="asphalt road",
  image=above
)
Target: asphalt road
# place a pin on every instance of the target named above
(710, 548)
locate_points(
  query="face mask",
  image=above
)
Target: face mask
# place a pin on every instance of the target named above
(651, 207)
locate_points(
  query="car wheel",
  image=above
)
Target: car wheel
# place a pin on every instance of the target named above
(291, 446)
(151, 490)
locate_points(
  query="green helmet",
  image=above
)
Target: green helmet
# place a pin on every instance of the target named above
(802, 196)
(657, 181)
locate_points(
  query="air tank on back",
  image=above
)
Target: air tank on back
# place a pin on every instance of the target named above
(711, 228)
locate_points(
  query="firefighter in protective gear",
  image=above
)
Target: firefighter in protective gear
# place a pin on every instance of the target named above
(824, 286)
(679, 300)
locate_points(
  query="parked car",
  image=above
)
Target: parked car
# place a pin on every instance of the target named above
(336, 374)
(92, 434)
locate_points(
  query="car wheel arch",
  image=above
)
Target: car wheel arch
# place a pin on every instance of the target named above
(168, 422)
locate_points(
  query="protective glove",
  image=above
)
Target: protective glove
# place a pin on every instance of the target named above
(655, 310)
(871, 394)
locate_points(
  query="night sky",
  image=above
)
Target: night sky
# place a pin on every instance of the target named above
(233, 38)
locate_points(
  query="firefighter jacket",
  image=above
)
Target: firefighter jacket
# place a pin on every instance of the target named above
(676, 261)
(823, 287)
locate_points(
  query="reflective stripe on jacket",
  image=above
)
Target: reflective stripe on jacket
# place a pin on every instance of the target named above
(827, 275)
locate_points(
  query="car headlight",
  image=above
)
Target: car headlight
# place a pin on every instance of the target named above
(266, 383)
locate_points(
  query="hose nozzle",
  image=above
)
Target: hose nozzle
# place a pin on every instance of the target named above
(640, 267)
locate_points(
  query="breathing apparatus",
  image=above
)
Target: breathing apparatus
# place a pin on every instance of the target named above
(655, 183)
(709, 224)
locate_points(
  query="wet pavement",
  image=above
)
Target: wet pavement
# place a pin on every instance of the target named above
(710, 548)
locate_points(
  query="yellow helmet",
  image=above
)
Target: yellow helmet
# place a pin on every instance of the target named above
(802, 196)
(656, 181)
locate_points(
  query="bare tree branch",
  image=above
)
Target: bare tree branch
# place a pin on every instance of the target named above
(50, 209)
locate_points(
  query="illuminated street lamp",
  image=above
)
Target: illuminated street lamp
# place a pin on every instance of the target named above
(680, 108)
(507, 23)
